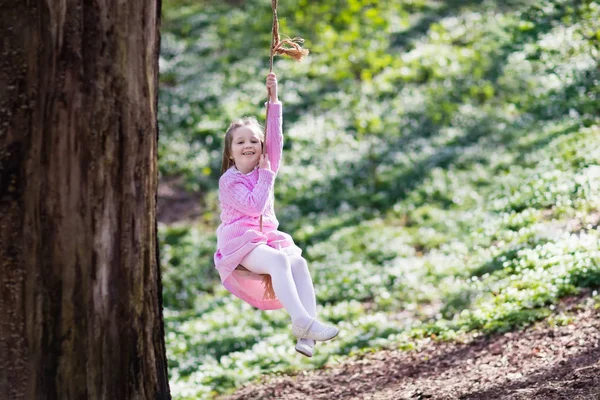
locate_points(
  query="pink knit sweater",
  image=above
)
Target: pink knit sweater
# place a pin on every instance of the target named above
(243, 199)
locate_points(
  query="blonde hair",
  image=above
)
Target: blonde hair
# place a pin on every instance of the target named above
(249, 122)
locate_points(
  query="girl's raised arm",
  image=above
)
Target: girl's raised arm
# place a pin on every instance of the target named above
(274, 124)
(274, 135)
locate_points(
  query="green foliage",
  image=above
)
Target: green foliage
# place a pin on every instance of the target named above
(187, 251)
(441, 171)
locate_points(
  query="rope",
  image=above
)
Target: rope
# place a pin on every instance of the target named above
(278, 47)
(274, 33)
(291, 48)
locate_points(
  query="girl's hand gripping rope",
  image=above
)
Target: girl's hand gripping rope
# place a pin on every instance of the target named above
(272, 87)
(264, 162)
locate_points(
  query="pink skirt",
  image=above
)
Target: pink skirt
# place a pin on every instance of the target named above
(244, 284)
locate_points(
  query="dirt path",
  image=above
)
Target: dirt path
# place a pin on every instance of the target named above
(541, 362)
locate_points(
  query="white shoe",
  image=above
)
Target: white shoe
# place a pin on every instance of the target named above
(304, 349)
(327, 332)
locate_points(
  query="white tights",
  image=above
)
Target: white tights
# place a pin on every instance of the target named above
(291, 281)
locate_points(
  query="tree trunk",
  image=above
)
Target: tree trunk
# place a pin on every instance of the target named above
(80, 302)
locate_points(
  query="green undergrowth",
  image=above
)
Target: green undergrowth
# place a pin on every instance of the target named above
(441, 172)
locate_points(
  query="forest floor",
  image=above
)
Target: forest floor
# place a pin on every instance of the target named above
(175, 204)
(557, 358)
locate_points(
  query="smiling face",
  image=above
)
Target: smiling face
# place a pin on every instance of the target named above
(246, 148)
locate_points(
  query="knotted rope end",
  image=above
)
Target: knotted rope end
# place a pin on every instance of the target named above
(291, 48)
(268, 285)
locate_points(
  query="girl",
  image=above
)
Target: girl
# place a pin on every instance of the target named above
(245, 253)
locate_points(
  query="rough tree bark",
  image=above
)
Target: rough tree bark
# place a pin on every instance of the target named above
(80, 301)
